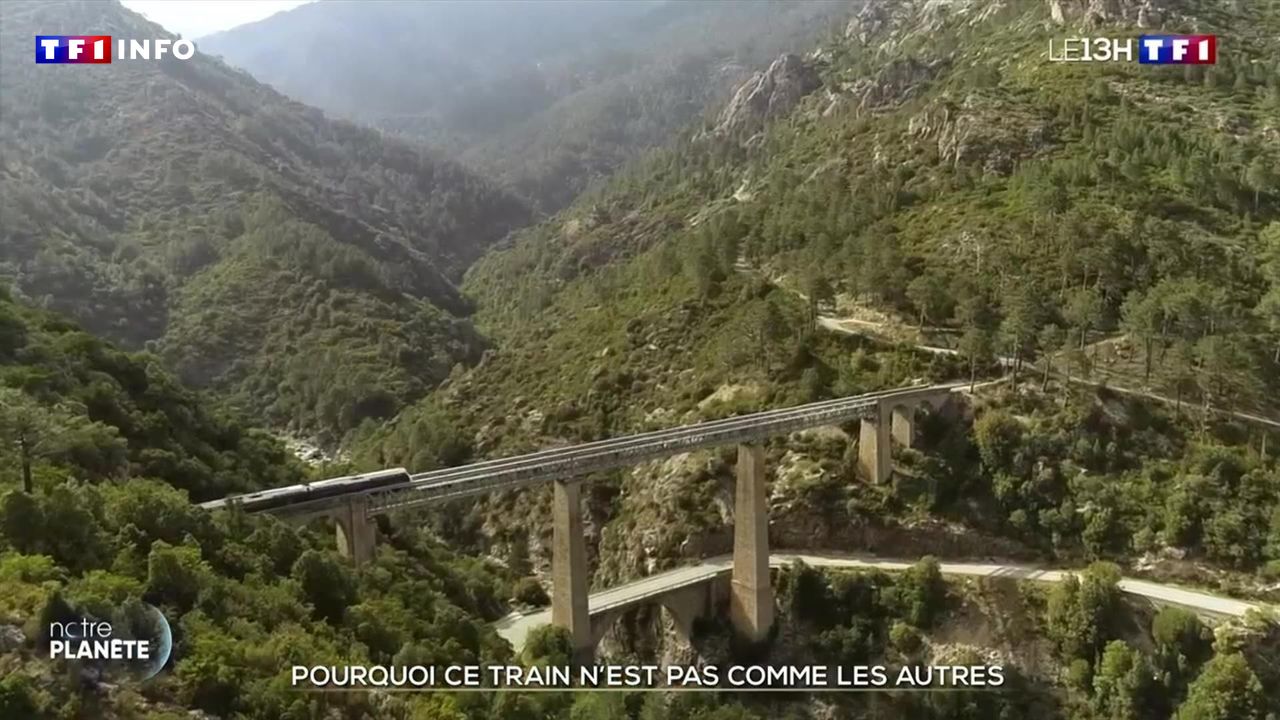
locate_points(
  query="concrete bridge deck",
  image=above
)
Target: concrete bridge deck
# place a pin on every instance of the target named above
(576, 460)
(516, 626)
(573, 461)
(886, 419)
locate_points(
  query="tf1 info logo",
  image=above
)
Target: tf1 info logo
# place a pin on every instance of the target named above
(97, 49)
(1150, 49)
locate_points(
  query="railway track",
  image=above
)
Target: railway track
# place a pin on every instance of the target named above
(559, 463)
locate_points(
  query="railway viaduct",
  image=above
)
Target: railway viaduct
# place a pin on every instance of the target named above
(887, 419)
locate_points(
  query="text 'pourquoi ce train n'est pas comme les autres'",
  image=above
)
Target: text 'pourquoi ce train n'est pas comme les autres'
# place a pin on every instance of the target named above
(672, 677)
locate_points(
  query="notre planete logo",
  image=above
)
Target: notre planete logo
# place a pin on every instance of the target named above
(135, 641)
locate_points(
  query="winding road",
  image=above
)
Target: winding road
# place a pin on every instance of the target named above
(516, 626)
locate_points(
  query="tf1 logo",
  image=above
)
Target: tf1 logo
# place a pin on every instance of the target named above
(97, 49)
(1178, 49)
(1151, 49)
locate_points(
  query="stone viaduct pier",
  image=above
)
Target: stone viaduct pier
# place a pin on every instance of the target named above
(887, 419)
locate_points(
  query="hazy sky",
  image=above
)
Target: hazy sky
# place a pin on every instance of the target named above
(193, 18)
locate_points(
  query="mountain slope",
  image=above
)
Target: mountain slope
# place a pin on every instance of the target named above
(93, 411)
(941, 169)
(447, 63)
(181, 203)
(118, 449)
(944, 167)
(546, 96)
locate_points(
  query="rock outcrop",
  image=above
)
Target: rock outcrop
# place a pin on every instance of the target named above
(11, 638)
(1091, 13)
(882, 24)
(979, 130)
(768, 95)
(898, 81)
(870, 20)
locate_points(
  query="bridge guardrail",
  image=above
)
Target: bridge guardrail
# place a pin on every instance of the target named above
(608, 458)
(574, 461)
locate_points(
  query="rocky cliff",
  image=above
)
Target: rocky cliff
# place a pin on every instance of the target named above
(1091, 13)
(767, 95)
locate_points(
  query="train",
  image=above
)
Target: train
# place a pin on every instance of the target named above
(275, 498)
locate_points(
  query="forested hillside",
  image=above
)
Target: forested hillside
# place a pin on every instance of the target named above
(303, 265)
(546, 96)
(926, 168)
(101, 454)
(1091, 221)
(72, 405)
(947, 174)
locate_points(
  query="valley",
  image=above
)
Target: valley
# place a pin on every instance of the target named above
(549, 98)
(233, 232)
(623, 287)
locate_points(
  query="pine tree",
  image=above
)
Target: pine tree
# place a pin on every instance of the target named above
(1049, 341)
(1260, 176)
(1269, 311)
(39, 431)
(819, 292)
(1084, 312)
(929, 295)
(1022, 317)
(1227, 689)
(976, 346)
(1122, 686)
(1141, 317)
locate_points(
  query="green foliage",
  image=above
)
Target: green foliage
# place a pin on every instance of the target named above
(928, 293)
(998, 436)
(529, 591)
(1180, 630)
(1102, 476)
(41, 432)
(1227, 689)
(148, 511)
(18, 697)
(1123, 685)
(1079, 675)
(1036, 200)
(246, 595)
(1082, 613)
(76, 404)
(1182, 643)
(237, 619)
(326, 583)
(305, 266)
(175, 575)
(921, 593)
(806, 596)
(547, 645)
(324, 356)
(599, 706)
(849, 617)
(699, 706)
(62, 522)
(1060, 208)
(22, 521)
(904, 638)
(431, 438)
